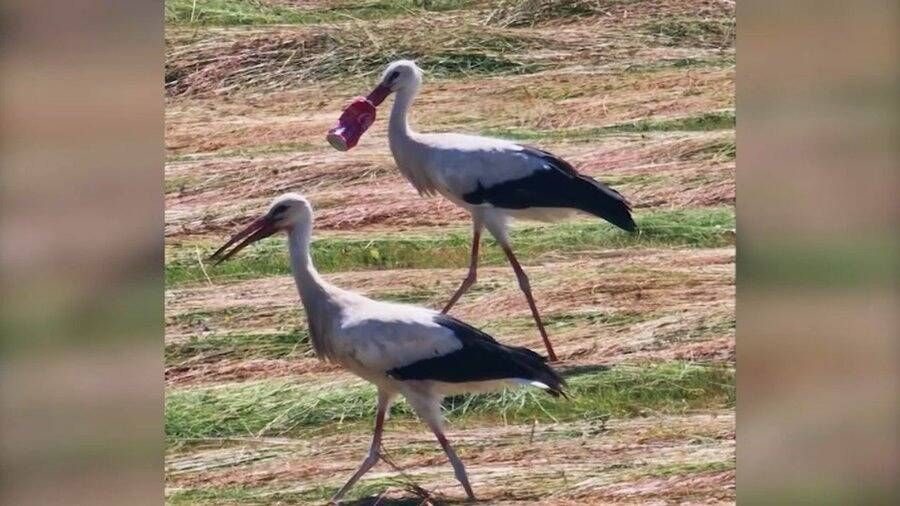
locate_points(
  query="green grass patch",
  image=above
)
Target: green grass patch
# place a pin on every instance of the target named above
(528, 13)
(721, 150)
(207, 320)
(616, 319)
(689, 468)
(414, 296)
(568, 321)
(681, 63)
(257, 12)
(218, 495)
(254, 495)
(268, 149)
(693, 32)
(243, 346)
(284, 345)
(701, 228)
(229, 12)
(714, 326)
(716, 120)
(179, 184)
(276, 408)
(636, 179)
(320, 494)
(212, 320)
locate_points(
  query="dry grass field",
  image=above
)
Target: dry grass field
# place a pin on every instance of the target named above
(638, 93)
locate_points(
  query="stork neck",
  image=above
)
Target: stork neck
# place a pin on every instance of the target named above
(310, 285)
(399, 124)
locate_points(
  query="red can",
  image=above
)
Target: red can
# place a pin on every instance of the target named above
(356, 119)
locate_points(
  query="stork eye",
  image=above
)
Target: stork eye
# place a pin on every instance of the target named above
(279, 209)
(393, 75)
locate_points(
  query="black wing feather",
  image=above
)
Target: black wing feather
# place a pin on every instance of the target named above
(481, 358)
(560, 185)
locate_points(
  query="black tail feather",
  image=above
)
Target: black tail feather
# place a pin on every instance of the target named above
(481, 358)
(538, 369)
(580, 191)
(596, 198)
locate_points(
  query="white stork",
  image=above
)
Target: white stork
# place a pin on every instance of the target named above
(493, 179)
(417, 352)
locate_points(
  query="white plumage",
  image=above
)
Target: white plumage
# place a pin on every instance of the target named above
(402, 349)
(493, 179)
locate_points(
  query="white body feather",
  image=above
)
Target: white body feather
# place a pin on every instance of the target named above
(369, 337)
(453, 165)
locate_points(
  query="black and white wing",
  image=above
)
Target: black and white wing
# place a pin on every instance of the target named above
(481, 358)
(552, 183)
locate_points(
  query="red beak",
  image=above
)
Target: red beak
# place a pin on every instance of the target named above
(259, 229)
(378, 94)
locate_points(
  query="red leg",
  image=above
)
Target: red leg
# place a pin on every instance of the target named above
(374, 450)
(473, 268)
(526, 288)
(458, 468)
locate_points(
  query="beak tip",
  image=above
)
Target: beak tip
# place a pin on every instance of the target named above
(254, 232)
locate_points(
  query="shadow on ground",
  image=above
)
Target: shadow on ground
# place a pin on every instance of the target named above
(401, 501)
(581, 369)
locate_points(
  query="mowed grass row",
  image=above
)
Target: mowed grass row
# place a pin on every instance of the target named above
(237, 61)
(718, 149)
(245, 346)
(294, 343)
(243, 12)
(288, 408)
(669, 28)
(697, 228)
(367, 487)
(356, 39)
(370, 490)
(714, 120)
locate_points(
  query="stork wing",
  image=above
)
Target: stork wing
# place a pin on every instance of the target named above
(554, 183)
(383, 336)
(480, 358)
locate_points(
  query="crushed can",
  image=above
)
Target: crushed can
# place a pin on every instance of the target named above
(356, 119)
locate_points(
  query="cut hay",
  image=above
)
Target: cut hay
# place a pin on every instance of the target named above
(716, 33)
(224, 61)
(531, 12)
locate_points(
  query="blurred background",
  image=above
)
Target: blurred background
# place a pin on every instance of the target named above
(817, 335)
(82, 252)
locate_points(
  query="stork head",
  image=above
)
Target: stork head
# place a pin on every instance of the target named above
(286, 212)
(400, 75)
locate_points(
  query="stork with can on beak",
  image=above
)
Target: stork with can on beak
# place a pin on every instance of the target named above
(403, 350)
(493, 179)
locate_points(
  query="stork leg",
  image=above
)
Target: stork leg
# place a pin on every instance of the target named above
(526, 288)
(384, 402)
(473, 269)
(459, 470)
(428, 406)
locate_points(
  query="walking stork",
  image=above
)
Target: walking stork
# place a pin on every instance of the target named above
(404, 350)
(492, 179)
